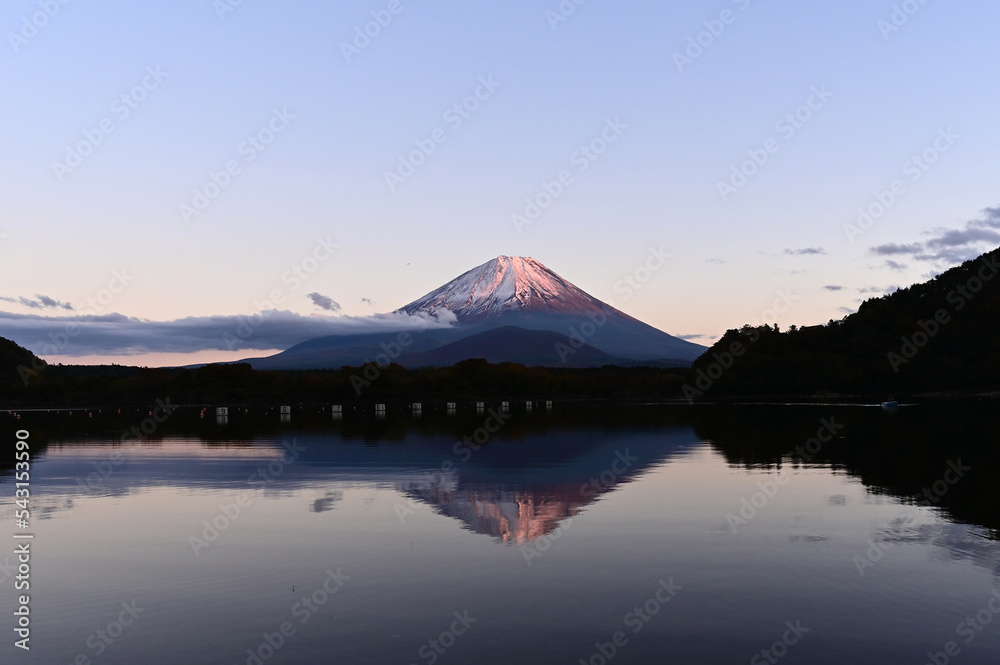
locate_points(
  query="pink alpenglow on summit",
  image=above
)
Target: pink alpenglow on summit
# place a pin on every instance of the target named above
(508, 284)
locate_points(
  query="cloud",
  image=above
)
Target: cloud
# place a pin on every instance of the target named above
(880, 290)
(967, 236)
(949, 247)
(833, 287)
(895, 266)
(120, 335)
(368, 301)
(717, 262)
(324, 302)
(806, 251)
(892, 249)
(39, 302)
(688, 337)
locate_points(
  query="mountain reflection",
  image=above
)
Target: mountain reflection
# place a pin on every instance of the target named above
(538, 472)
(513, 516)
(541, 469)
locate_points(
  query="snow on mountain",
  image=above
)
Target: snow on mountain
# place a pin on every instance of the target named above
(507, 284)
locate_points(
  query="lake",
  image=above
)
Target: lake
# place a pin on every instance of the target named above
(586, 533)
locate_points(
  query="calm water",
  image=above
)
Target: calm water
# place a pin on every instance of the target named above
(647, 534)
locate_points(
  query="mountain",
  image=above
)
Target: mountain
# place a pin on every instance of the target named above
(508, 285)
(517, 298)
(940, 335)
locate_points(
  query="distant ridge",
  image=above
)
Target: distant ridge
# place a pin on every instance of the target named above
(511, 344)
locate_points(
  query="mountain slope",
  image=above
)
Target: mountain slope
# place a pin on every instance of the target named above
(339, 350)
(935, 336)
(16, 364)
(517, 345)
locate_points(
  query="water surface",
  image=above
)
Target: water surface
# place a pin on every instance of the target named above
(698, 535)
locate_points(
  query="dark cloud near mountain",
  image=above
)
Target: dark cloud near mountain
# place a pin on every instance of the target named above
(893, 265)
(324, 302)
(118, 335)
(833, 287)
(690, 337)
(38, 302)
(368, 301)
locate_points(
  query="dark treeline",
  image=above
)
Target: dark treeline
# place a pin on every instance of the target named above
(67, 386)
(939, 336)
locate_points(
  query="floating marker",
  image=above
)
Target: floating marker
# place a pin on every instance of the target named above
(337, 408)
(222, 410)
(286, 409)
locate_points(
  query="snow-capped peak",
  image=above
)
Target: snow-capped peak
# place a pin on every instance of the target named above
(507, 284)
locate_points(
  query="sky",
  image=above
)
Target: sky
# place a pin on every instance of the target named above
(173, 169)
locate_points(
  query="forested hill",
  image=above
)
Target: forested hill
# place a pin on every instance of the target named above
(16, 365)
(938, 336)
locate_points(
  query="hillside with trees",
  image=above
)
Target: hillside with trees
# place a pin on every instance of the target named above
(939, 336)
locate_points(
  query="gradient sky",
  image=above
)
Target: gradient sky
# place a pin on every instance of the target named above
(224, 74)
